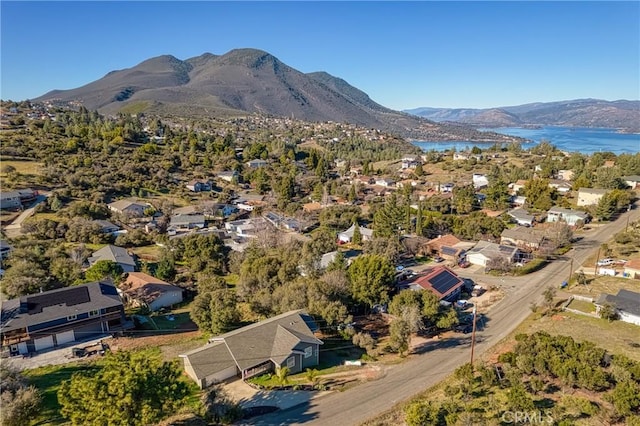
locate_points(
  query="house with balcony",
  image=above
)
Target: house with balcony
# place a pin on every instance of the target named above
(54, 318)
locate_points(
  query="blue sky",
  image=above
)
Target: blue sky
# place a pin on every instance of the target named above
(403, 54)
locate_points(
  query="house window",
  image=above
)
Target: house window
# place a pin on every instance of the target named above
(94, 313)
(71, 317)
(291, 362)
(308, 352)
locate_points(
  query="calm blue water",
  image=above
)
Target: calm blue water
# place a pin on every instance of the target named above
(585, 140)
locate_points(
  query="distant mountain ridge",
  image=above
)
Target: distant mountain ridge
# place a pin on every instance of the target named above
(251, 81)
(621, 114)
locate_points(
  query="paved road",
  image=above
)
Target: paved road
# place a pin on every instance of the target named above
(440, 358)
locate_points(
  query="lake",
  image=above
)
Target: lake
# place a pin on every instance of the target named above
(581, 139)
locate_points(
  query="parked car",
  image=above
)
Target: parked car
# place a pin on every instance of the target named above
(605, 262)
(438, 259)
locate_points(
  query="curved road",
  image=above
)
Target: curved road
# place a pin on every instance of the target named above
(440, 358)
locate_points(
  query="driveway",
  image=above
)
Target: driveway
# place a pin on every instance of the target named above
(248, 396)
(14, 229)
(60, 355)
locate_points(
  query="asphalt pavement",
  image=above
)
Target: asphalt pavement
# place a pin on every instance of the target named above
(440, 358)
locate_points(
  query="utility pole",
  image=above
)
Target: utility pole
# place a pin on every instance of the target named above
(473, 336)
(597, 260)
(570, 270)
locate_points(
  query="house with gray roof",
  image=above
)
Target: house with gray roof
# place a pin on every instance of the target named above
(128, 207)
(10, 200)
(53, 318)
(626, 303)
(485, 252)
(286, 340)
(523, 237)
(632, 182)
(115, 254)
(347, 235)
(186, 221)
(570, 217)
(521, 216)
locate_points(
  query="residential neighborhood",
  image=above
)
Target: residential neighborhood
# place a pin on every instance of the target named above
(273, 261)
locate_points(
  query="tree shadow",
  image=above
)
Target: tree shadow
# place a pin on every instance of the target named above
(300, 413)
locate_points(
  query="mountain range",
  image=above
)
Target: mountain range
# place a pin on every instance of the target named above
(251, 81)
(622, 114)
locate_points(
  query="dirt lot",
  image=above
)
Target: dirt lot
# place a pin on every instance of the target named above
(171, 345)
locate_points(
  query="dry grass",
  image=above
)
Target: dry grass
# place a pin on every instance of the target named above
(616, 337)
(23, 167)
(604, 284)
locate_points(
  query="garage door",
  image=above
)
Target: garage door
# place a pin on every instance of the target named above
(43, 343)
(22, 348)
(66, 337)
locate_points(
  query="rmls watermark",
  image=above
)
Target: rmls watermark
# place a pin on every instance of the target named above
(527, 417)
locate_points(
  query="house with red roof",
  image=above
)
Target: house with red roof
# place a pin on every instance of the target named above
(440, 280)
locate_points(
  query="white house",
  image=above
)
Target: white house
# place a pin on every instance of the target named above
(626, 303)
(347, 235)
(484, 252)
(521, 217)
(590, 196)
(571, 217)
(141, 289)
(480, 181)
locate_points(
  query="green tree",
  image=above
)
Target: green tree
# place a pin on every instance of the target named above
(20, 402)
(464, 199)
(371, 277)
(606, 207)
(539, 195)
(166, 269)
(125, 388)
(626, 397)
(357, 235)
(419, 170)
(608, 312)
(518, 399)
(103, 269)
(447, 319)
(400, 335)
(421, 413)
(282, 374)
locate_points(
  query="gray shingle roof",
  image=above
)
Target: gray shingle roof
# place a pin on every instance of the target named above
(61, 303)
(114, 254)
(625, 300)
(272, 339)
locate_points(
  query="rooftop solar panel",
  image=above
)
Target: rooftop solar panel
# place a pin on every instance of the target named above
(444, 281)
(449, 251)
(69, 296)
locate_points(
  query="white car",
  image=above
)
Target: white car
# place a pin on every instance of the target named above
(605, 262)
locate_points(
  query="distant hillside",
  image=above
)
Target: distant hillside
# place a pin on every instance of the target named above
(251, 81)
(624, 115)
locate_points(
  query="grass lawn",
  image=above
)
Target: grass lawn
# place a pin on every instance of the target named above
(582, 306)
(48, 380)
(163, 323)
(152, 252)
